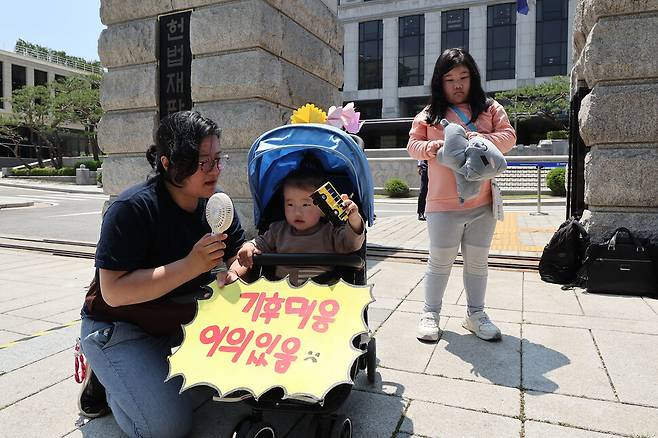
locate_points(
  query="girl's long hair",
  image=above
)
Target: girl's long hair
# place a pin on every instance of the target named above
(476, 98)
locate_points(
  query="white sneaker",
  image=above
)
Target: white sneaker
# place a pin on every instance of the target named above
(480, 324)
(428, 327)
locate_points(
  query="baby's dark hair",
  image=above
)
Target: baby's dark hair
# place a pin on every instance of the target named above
(178, 138)
(309, 175)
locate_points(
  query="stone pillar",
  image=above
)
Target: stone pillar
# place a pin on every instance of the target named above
(351, 56)
(570, 20)
(477, 39)
(432, 44)
(29, 76)
(525, 46)
(6, 84)
(254, 62)
(614, 44)
(390, 101)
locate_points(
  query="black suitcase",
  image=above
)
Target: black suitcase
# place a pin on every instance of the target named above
(623, 265)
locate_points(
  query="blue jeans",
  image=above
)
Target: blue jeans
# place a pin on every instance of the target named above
(132, 366)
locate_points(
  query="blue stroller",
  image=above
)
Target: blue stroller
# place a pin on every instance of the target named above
(272, 156)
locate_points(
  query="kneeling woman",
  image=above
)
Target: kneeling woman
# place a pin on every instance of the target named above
(155, 247)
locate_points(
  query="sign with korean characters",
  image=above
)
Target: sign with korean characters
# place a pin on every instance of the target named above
(175, 63)
(267, 334)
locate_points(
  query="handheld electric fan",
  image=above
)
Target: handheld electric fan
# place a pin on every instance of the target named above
(219, 214)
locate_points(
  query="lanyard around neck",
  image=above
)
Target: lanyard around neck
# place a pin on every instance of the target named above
(463, 117)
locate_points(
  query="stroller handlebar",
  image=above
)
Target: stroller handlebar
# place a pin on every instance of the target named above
(310, 259)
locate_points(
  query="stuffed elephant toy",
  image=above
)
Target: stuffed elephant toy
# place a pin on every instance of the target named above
(473, 161)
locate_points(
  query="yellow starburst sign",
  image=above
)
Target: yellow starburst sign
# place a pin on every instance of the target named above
(266, 334)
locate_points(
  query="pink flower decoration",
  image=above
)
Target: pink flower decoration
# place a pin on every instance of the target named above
(334, 116)
(345, 117)
(351, 119)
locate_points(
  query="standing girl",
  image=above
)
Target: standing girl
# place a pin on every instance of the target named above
(457, 96)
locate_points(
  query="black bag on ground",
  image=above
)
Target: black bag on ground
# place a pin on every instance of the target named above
(563, 256)
(622, 265)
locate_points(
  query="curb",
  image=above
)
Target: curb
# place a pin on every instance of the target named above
(49, 188)
(17, 204)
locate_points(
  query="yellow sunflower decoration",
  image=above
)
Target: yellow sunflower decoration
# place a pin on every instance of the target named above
(308, 113)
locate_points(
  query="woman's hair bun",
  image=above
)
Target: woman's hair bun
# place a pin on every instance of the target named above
(151, 155)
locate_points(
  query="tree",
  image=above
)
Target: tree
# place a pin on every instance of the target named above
(9, 132)
(83, 93)
(32, 106)
(549, 100)
(44, 110)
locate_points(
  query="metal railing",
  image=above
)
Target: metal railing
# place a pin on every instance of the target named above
(521, 174)
(532, 168)
(49, 57)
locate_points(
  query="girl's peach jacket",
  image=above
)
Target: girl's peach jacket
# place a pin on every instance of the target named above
(492, 124)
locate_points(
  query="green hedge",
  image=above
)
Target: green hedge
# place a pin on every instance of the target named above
(557, 135)
(44, 171)
(89, 164)
(396, 188)
(555, 181)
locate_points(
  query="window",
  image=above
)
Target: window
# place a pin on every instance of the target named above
(454, 29)
(40, 77)
(551, 41)
(18, 77)
(60, 78)
(369, 109)
(501, 41)
(370, 54)
(411, 50)
(2, 102)
(410, 106)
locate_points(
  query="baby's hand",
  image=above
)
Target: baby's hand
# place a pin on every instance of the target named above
(246, 254)
(349, 206)
(471, 134)
(353, 216)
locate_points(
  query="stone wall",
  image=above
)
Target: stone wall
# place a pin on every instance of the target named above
(254, 61)
(614, 48)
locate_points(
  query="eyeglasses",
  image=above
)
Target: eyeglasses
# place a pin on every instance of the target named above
(208, 165)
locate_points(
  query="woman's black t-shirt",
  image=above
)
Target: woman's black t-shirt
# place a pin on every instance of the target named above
(144, 228)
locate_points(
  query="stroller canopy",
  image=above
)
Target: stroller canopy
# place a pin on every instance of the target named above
(279, 151)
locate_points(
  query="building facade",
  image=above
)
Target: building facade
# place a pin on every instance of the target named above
(18, 70)
(391, 47)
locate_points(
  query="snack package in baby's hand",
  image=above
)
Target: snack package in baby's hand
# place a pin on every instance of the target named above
(330, 202)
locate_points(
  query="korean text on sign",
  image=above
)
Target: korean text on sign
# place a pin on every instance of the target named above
(269, 307)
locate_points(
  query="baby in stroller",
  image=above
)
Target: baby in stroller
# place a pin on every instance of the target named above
(286, 165)
(304, 229)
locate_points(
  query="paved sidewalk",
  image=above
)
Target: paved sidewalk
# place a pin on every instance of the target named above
(570, 364)
(521, 233)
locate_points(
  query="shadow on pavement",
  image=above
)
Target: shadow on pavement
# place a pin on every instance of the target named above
(498, 362)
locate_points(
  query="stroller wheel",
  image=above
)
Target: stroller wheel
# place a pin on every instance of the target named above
(248, 428)
(371, 360)
(341, 427)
